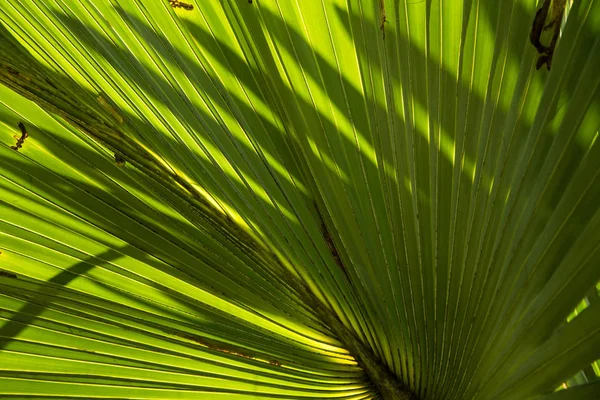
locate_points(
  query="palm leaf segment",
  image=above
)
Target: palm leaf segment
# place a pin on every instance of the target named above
(309, 200)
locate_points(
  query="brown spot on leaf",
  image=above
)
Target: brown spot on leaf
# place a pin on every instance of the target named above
(382, 17)
(119, 160)
(331, 245)
(108, 107)
(215, 345)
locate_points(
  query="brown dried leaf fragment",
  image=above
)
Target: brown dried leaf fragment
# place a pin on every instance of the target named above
(179, 4)
(538, 27)
(548, 17)
(543, 59)
(21, 139)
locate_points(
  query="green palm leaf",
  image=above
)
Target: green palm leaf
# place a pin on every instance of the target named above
(279, 199)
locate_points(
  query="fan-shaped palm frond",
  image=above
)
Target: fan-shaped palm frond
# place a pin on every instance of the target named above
(318, 199)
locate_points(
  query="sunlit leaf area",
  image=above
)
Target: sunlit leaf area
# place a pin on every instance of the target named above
(284, 199)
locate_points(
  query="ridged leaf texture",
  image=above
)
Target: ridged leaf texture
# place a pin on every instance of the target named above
(319, 199)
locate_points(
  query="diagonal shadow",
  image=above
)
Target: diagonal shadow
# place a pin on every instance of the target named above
(172, 329)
